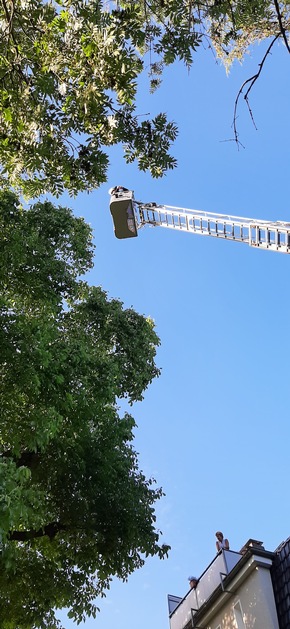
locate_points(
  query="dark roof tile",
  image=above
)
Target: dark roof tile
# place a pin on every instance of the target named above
(280, 573)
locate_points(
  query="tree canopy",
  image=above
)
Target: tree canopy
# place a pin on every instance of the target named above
(69, 72)
(75, 509)
(68, 77)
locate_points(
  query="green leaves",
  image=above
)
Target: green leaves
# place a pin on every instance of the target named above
(43, 250)
(67, 70)
(234, 26)
(64, 74)
(75, 509)
(149, 144)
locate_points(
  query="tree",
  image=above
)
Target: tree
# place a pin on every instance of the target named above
(75, 509)
(68, 79)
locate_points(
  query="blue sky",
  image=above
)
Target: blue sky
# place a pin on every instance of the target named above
(213, 429)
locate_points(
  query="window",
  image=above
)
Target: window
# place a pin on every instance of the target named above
(238, 615)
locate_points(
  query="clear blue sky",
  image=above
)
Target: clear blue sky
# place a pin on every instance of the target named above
(214, 428)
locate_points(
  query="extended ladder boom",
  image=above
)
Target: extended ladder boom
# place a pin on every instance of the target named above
(133, 214)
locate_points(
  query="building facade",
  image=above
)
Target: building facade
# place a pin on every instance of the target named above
(249, 589)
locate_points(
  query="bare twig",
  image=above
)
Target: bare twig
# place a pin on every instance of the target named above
(251, 81)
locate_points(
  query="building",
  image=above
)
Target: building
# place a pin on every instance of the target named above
(281, 583)
(249, 589)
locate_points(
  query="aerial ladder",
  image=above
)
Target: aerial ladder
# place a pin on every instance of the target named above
(129, 215)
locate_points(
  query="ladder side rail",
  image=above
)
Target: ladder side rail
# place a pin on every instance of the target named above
(178, 211)
(271, 235)
(238, 220)
(199, 223)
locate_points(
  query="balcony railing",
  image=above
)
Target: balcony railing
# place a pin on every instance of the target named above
(211, 578)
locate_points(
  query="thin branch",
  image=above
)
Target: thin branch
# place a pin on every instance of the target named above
(251, 81)
(282, 29)
(8, 73)
(9, 19)
(50, 530)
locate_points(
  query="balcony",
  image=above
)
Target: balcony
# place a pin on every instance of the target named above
(211, 578)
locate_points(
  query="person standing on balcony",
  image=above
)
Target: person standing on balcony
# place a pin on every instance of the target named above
(221, 543)
(193, 581)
